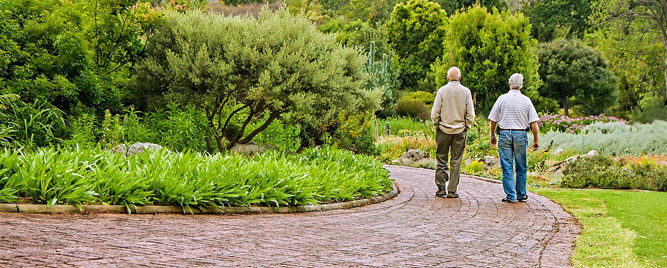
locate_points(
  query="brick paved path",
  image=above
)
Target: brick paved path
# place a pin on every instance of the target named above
(412, 230)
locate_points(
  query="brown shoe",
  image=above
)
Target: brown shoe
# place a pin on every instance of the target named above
(452, 195)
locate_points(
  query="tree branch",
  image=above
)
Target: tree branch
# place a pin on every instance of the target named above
(240, 133)
(268, 122)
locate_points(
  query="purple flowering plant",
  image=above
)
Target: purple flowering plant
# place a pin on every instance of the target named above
(572, 125)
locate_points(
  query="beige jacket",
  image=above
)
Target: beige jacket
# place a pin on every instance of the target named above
(453, 110)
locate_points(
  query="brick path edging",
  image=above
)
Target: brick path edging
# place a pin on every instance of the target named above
(60, 209)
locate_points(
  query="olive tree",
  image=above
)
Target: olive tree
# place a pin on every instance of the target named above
(246, 72)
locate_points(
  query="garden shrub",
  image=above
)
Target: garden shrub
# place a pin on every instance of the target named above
(603, 172)
(412, 108)
(475, 167)
(613, 138)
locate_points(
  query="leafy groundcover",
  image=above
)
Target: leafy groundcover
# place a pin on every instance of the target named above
(94, 176)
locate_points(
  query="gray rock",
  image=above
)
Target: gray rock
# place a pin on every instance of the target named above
(405, 161)
(252, 148)
(142, 147)
(558, 151)
(662, 163)
(592, 153)
(491, 162)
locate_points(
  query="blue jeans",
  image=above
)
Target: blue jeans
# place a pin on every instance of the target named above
(512, 147)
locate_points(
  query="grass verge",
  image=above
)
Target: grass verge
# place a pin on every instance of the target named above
(620, 228)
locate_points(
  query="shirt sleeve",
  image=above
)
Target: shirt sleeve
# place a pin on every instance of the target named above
(494, 115)
(470, 111)
(435, 111)
(532, 114)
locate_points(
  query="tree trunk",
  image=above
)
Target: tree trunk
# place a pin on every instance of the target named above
(218, 140)
(664, 42)
(565, 107)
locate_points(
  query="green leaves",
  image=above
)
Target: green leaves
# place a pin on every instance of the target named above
(188, 179)
(416, 31)
(239, 69)
(572, 69)
(488, 47)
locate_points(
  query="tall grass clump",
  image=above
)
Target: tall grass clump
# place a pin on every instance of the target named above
(403, 126)
(613, 138)
(188, 179)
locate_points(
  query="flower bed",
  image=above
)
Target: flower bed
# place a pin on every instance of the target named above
(572, 125)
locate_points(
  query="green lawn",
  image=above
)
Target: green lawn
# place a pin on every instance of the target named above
(620, 228)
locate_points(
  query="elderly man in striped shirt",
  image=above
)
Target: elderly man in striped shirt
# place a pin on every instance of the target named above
(514, 113)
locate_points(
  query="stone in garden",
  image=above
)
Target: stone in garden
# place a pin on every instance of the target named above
(141, 147)
(491, 162)
(662, 163)
(558, 151)
(592, 153)
(120, 148)
(252, 148)
(411, 156)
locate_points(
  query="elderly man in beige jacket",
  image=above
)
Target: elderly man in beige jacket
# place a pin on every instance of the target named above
(452, 115)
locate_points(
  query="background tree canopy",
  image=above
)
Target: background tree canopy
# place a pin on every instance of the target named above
(576, 75)
(416, 31)
(488, 48)
(73, 54)
(553, 19)
(241, 69)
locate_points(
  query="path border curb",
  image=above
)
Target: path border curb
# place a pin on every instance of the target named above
(85, 209)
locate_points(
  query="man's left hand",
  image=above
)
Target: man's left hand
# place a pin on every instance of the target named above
(535, 145)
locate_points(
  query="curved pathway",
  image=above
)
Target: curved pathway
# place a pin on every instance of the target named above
(414, 229)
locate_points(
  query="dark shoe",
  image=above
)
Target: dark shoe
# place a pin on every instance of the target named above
(524, 199)
(453, 195)
(508, 200)
(441, 195)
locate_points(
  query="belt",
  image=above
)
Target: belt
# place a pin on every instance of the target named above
(501, 129)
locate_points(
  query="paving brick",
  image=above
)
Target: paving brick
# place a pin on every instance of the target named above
(414, 229)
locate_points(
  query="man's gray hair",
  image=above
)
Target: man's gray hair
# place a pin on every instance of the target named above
(452, 72)
(516, 81)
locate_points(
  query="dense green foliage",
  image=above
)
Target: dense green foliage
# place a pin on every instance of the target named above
(373, 41)
(489, 47)
(237, 69)
(647, 20)
(84, 176)
(451, 6)
(571, 70)
(416, 31)
(602, 172)
(553, 19)
(73, 54)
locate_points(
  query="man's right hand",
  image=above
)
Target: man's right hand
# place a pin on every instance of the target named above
(493, 141)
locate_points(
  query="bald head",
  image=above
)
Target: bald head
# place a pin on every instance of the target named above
(454, 74)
